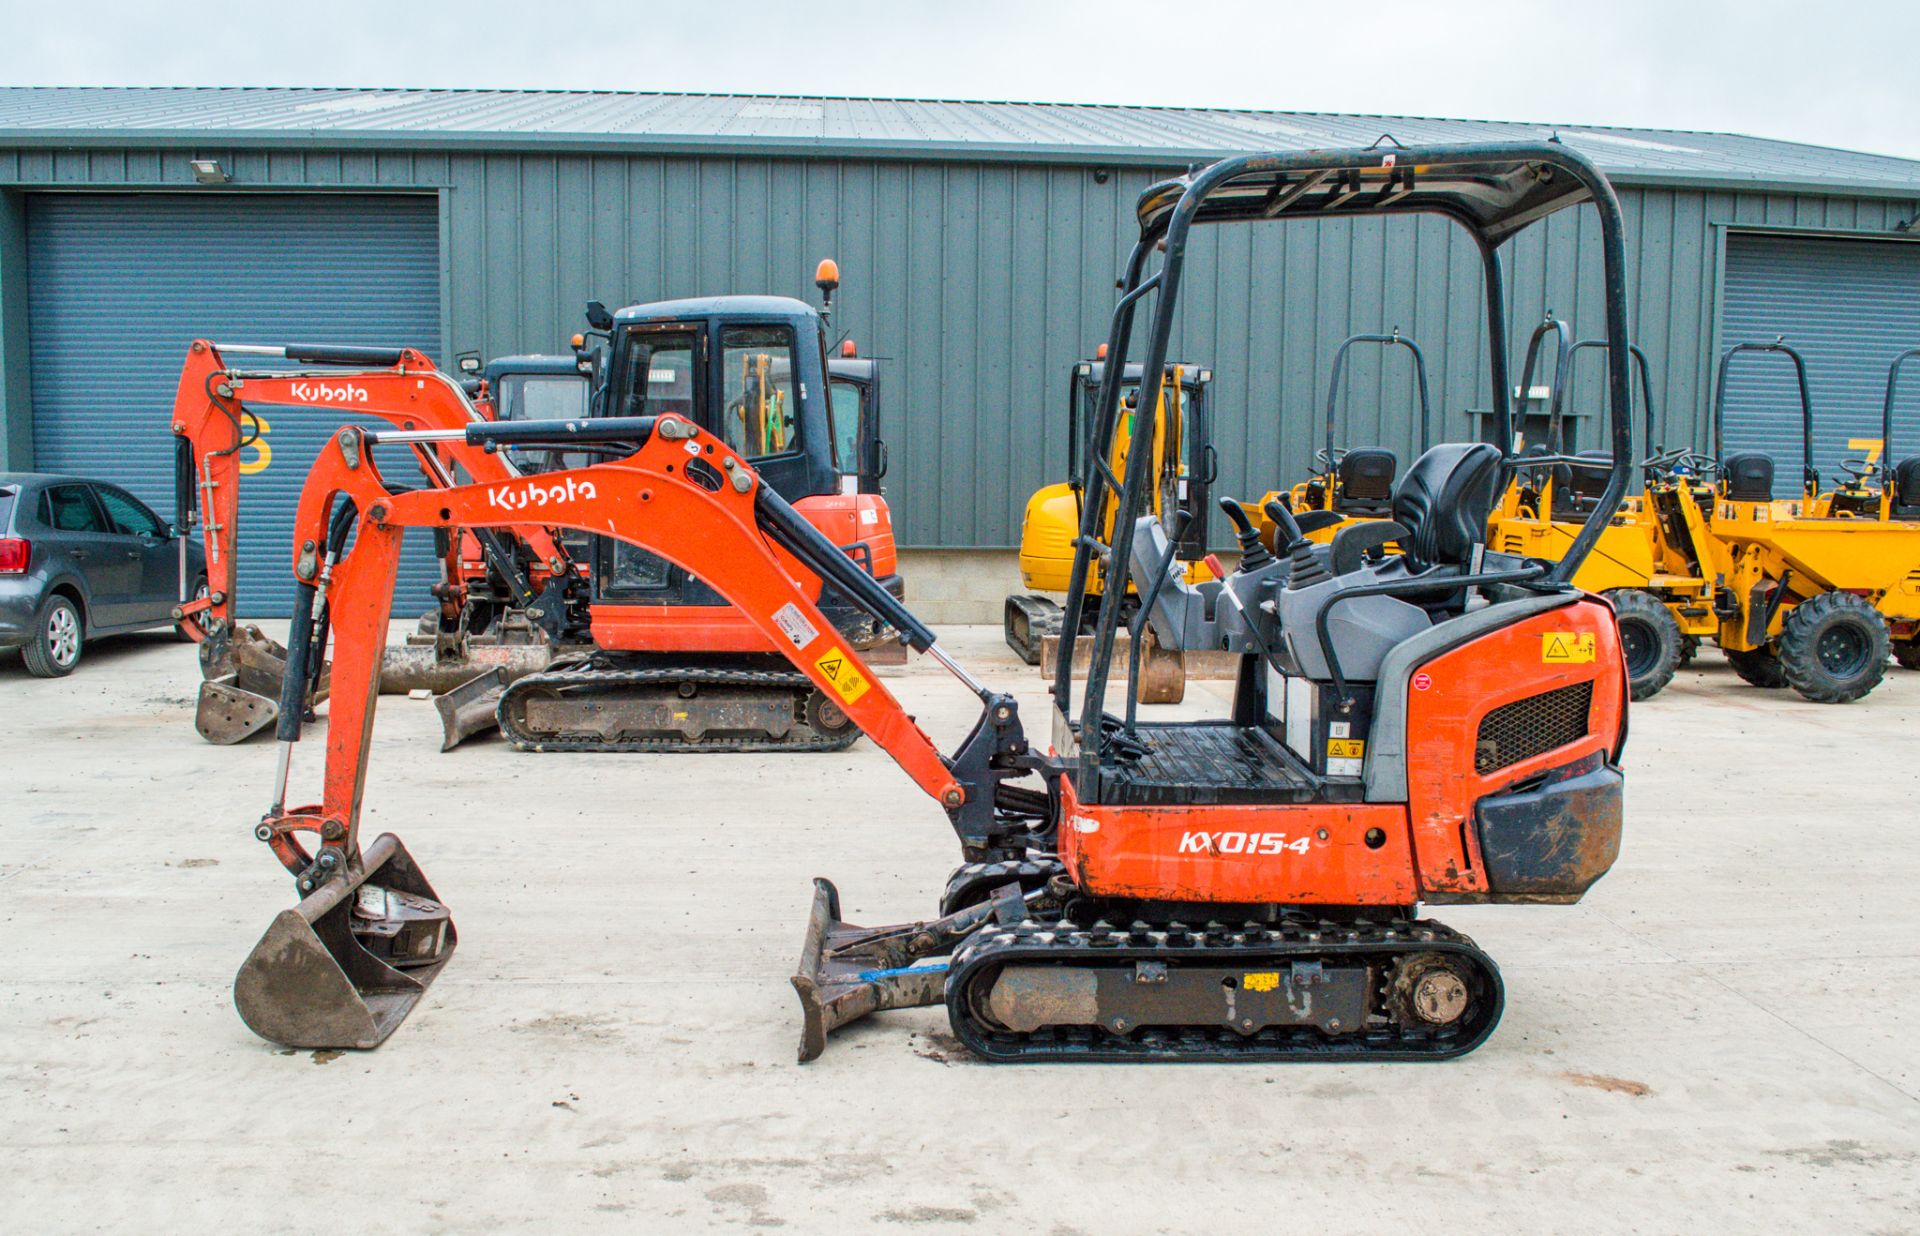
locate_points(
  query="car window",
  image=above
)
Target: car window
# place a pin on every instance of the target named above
(128, 513)
(7, 495)
(539, 397)
(69, 509)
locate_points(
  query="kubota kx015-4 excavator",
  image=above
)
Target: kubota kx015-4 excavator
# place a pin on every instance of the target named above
(1441, 725)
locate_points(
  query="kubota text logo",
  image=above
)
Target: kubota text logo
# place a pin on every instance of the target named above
(536, 494)
(1240, 843)
(329, 392)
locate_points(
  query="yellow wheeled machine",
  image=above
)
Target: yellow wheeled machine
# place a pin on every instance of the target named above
(1183, 465)
(1652, 559)
(1817, 597)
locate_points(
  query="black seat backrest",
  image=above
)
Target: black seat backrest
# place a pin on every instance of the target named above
(1366, 480)
(1443, 502)
(1906, 488)
(1747, 476)
(1590, 483)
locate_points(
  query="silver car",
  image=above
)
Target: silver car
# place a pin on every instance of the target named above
(80, 559)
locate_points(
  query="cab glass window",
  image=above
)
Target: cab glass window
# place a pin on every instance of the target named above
(846, 424)
(129, 516)
(67, 508)
(661, 375)
(759, 414)
(542, 397)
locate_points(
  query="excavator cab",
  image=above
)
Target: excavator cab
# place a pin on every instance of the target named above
(853, 381)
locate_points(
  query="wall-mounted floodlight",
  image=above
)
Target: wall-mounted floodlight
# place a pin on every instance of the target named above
(209, 172)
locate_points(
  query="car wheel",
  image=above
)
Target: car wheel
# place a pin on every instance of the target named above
(179, 628)
(58, 639)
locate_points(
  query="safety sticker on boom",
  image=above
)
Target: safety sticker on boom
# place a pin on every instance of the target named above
(1567, 647)
(790, 620)
(843, 673)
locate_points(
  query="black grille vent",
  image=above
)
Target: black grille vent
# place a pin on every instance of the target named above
(1532, 726)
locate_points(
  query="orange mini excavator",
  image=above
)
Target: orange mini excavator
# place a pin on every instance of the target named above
(587, 644)
(1440, 725)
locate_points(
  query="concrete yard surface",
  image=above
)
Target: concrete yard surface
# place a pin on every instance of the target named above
(1722, 1036)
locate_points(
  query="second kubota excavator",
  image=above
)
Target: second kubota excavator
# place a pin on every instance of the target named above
(584, 645)
(1444, 725)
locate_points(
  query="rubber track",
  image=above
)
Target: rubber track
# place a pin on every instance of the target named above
(1253, 946)
(772, 680)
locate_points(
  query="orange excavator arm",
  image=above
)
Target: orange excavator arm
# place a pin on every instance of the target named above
(399, 385)
(684, 495)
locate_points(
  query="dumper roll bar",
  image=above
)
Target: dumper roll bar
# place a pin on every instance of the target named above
(1809, 475)
(1886, 409)
(1389, 341)
(1493, 190)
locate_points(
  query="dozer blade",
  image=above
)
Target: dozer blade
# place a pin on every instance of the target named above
(226, 714)
(471, 707)
(345, 966)
(847, 972)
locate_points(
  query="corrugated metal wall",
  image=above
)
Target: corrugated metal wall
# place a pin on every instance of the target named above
(985, 282)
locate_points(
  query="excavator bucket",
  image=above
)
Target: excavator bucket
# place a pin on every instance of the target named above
(345, 966)
(241, 692)
(471, 707)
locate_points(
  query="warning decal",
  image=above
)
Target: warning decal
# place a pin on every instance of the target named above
(1265, 980)
(1567, 647)
(1346, 748)
(843, 673)
(795, 624)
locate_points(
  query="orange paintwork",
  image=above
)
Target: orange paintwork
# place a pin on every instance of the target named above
(1137, 852)
(1201, 853)
(1443, 726)
(410, 394)
(645, 499)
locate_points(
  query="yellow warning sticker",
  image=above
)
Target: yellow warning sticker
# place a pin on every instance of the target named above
(1567, 647)
(1346, 748)
(1266, 980)
(843, 673)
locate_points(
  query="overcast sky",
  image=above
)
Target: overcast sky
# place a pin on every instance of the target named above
(1838, 73)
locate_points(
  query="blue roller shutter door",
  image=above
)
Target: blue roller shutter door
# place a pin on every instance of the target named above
(119, 284)
(1849, 307)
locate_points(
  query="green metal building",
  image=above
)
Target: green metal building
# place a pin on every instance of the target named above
(979, 243)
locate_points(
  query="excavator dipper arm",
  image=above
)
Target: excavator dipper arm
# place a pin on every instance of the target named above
(345, 966)
(212, 429)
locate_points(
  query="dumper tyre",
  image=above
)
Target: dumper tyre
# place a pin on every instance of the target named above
(59, 637)
(1833, 648)
(1650, 640)
(1907, 653)
(1689, 649)
(1758, 667)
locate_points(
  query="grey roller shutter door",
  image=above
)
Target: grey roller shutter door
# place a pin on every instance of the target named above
(1849, 307)
(119, 284)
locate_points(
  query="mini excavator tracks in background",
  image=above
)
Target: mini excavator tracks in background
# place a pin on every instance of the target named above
(599, 706)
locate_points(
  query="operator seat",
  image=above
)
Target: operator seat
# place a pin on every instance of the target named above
(1444, 502)
(1576, 491)
(1747, 476)
(1906, 488)
(1366, 482)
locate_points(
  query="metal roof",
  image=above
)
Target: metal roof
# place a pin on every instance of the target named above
(800, 125)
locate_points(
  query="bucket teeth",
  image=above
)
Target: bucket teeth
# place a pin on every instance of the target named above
(345, 966)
